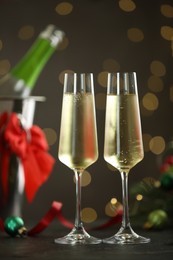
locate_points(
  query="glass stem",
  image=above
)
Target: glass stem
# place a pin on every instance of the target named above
(78, 222)
(125, 218)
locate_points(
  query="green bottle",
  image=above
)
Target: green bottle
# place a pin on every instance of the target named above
(20, 81)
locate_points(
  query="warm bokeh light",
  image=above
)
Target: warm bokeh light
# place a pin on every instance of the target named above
(157, 145)
(135, 34)
(51, 135)
(157, 68)
(145, 112)
(155, 84)
(150, 101)
(114, 201)
(64, 44)
(64, 8)
(112, 206)
(157, 184)
(4, 67)
(88, 215)
(146, 142)
(61, 75)
(166, 32)
(102, 78)
(139, 197)
(85, 179)
(167, 10)
(127, 5)
(111, 65)
(26, 32)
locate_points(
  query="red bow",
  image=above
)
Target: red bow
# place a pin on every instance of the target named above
(31, 147)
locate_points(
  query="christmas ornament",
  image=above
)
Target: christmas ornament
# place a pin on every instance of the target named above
(166, 180)
(156, 219)
(14, 226)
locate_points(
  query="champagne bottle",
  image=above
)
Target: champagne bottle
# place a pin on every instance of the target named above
(20, 81)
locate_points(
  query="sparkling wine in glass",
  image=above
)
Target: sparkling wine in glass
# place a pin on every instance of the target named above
(78, 147)
(123, 146)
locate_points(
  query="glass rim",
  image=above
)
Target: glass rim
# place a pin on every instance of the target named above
(122, 72)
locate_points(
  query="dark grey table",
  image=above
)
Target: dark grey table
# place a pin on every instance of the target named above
(43, 247)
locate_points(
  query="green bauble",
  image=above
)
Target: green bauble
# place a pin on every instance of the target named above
(14, 226)
(167, 181)
(157, 218)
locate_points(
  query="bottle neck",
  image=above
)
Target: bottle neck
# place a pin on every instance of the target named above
(31, 65)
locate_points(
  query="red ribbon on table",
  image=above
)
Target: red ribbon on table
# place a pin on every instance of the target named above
(31, 147)
(55, 212)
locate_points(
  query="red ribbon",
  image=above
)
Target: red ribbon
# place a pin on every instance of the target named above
(55, 211)
(31, 147)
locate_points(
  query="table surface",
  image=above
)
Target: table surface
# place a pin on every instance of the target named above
(43, 247)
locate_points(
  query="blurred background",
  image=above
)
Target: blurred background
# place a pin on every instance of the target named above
(101, 36)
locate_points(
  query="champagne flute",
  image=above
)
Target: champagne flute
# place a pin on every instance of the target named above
(123, 146)
(78, 147)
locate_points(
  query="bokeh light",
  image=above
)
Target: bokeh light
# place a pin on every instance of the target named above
(139, 197)
(61, 75)
(150, 101)
(127, 5)
(88, 215)
(135, 35)
(111, 65)
(157, 68)
(85, 179)
(51, 135)
(112, 207)
(4, 66)
(167, 10)
(64, 8)
(102, 78)
(64, 44)
(157, 145)
(146, 142)
(166, 32)
(26, 32)
(155, 84)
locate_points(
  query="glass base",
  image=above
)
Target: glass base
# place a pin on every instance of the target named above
(78, 237)
(126, 236)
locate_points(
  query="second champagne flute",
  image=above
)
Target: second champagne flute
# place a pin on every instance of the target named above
(123, 147)
(78, 147)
